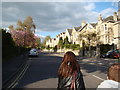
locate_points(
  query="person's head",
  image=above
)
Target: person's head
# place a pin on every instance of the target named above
(114, 72)
(68, 65)
(69, 57)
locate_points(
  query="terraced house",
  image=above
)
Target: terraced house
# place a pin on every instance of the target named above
(106, 30)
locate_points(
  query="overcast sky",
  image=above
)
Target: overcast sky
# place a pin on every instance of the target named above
(52, 18)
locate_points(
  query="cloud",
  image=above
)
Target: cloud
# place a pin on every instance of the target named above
(6, 24)
(116, 4)
(51, 16)
(41, 36)
(10, 9)
(90, 6)
(107, 12)
(60, 0)
(0, 15)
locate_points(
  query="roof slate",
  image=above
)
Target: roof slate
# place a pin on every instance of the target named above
(110, 18)
(70, 31)
(94, 24)
(77, 28)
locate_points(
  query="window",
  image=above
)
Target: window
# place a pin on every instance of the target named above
(99, 30)
(105, 26)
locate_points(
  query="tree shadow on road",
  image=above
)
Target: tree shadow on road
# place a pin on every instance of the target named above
(41, 68)
(89, 68)
(94, 65)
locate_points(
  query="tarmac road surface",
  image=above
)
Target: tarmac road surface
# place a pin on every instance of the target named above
(42, 72)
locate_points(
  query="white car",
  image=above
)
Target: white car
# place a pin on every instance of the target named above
(33, 52)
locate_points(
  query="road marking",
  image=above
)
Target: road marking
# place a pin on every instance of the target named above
(100, 63)
(14, 85)
(15, 82)
(98, 77)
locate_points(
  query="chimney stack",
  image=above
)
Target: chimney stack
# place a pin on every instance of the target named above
(119, 14)
(83, 23)
(100, 17)
(115, 16)
(100, 20)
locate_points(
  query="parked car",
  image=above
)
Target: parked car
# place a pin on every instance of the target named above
(103, 56)
(111, 54)
(33, 52)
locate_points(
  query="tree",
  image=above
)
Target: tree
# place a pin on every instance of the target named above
(87, 39)
(81, 38)
(90, 37)
(25, 39)
(24, 33)
(11, 27)
(20, 25)
(7, 40)
(29, 24)
(66, 40)
(8, 45)
(98, 43)
(60, 43)
(45, 40)
(37, 42)
(110, 35)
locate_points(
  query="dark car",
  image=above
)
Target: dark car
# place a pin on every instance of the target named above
(111, 54)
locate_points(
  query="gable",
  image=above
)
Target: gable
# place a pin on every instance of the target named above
(69, 31)
(82, 28)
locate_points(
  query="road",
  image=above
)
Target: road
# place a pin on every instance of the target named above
(42, 71)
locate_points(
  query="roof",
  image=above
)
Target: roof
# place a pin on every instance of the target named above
(63, 32)
(82, 27)
(117, 23)
(69, 31)
(77, 28)
(110, 18)
(94, 24)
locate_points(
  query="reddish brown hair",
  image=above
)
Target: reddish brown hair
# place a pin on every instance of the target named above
(114, 72)
(67, 69)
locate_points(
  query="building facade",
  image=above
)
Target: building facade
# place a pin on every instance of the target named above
(107, 31)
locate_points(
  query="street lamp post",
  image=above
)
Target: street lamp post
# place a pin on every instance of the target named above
(24, 36)
(25, 58)
(97, 47)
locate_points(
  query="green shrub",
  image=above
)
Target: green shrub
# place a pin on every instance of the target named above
(67, 45)
(48, 48)
(72, 46)
(105, 47)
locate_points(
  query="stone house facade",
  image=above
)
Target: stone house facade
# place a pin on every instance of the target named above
(107, 31)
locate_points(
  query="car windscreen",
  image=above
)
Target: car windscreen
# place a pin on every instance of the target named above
(110, 51)
(33, 50)
(117, 51)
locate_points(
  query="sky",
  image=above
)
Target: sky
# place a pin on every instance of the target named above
(52, 18)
